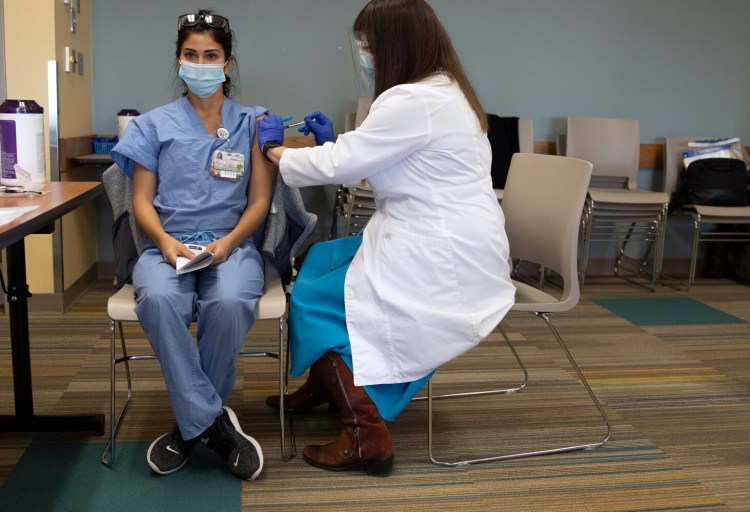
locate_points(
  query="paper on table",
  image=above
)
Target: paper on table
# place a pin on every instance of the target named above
(11, 213)
(202, 259)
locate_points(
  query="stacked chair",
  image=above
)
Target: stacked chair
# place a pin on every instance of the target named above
(616, 210)
(356, 204)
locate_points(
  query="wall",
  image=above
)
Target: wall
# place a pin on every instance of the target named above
(678, 66)
(28, 48)
(31, 41)
(79, 250)
(2, 52)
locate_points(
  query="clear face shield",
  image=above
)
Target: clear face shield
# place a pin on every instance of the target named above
(364, 69)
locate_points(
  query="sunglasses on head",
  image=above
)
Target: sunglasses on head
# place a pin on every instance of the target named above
(212, 20)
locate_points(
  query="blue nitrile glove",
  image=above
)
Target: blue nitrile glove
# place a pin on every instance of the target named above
(320, 126)
(270, 129)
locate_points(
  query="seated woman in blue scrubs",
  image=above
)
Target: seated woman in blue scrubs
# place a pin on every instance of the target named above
(199, 178)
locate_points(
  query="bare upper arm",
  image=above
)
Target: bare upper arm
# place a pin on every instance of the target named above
(263, 173)
(144, 185)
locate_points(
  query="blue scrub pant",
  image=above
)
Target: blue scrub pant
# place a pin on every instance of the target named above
(199, 376)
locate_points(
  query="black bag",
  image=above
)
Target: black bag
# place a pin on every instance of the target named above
(126, 253)
(503, 135)
(713, 182)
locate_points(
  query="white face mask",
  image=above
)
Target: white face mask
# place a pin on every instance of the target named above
(202, 79)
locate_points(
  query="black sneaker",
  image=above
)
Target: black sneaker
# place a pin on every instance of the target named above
(241, 452)
(169, 452)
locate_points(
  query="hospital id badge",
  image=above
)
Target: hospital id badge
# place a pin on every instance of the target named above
(227, 165)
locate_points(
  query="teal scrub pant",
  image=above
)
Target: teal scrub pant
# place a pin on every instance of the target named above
(317, 321)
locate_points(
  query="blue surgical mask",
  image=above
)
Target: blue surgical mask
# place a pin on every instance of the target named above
(202, 79)
(367, 63)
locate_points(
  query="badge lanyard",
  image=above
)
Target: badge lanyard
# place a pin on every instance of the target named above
(226, 164)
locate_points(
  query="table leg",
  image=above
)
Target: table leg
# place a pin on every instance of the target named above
(24, 419)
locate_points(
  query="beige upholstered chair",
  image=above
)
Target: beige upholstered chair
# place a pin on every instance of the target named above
(616, 210)
(121, 308)
(704, 217)
(542, 205)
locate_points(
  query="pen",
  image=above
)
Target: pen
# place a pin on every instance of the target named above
(17, 191)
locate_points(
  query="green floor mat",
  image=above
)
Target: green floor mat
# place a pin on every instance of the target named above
(667, 311)
(69, 477)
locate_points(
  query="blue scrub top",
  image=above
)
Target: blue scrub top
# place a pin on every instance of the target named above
(172, 142)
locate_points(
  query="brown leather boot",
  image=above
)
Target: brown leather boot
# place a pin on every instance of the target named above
(365, 440)
(311, 394)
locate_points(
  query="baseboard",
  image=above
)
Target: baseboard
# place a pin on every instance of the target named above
(105, 270)
(59, 303)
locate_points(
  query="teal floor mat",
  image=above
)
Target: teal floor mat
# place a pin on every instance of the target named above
(69, 477)
(667, 311)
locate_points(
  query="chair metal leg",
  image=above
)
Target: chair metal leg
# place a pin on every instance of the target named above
(694, 256)
(588, 225)
(640, 265)
(503, 391)
(283, 358)
(336, 212)
(662, 240)
(283, 390)
(108, 455)
(623, 247)
(547, 317)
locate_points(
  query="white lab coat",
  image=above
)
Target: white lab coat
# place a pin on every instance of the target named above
(431, 279)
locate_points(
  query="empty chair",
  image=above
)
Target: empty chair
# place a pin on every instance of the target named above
(705, 218)
(542, 206)
(356, 204)
(616, 210)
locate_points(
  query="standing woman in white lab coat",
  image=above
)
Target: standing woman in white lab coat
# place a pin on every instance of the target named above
(373, 316)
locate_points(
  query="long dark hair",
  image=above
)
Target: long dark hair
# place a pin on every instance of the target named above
(224, 38)
(408, 44)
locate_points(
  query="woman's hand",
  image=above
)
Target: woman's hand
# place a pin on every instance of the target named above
(221, 250)
(171, 248)
(270, 131)
(320, 126)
